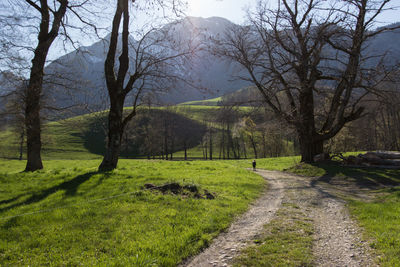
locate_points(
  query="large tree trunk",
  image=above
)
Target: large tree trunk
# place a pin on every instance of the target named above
(33, 138)
(310, 147)
(32, 112)
(310, 144)
(115, 131)
(33, 95)
(115, 87)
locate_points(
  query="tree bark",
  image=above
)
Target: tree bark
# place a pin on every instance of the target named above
(115, 130)
(21, 144)
(310, 144)
(211, 144)
(34, 91)
(310, 147)
(253, 143)
(185, 148)
(115, 87)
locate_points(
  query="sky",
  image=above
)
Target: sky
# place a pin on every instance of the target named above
(235, 10)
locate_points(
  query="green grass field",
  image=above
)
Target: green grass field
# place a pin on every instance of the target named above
(69, 214)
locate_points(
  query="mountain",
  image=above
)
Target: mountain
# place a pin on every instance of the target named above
(82, 71)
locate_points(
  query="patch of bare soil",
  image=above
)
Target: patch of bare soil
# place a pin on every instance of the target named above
(244, 229)
(190, 190)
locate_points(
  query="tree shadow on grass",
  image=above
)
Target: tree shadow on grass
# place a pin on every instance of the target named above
(362, 178)
(70, 187)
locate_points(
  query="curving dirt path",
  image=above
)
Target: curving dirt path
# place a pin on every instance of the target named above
(228, 245)
(337, 239)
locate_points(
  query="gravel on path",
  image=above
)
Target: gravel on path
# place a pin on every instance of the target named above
(228, 245)
(337, 240)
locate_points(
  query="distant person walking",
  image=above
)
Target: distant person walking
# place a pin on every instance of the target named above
(254, 165)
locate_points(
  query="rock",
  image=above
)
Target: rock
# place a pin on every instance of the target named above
(387, 154)
(370, 156)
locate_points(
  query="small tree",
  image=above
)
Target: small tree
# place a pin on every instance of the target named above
(12, 103)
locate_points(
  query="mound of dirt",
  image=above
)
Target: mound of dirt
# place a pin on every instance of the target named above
(189, 190)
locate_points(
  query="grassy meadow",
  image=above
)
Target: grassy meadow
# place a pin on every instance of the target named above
(69, 214)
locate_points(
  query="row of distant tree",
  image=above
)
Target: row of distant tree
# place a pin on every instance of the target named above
(307, 60)
(377, 129)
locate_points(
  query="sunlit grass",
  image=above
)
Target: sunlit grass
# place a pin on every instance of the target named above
(207, 102)
(381, 221)
(77, 216)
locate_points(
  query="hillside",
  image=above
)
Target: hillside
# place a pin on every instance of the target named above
(84, 136)
(158, 132)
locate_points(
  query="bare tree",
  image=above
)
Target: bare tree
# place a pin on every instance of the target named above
(306, 59)
(45, 20)
(12, 106)
(154, 65)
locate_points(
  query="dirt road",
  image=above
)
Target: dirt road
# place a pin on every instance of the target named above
(337, 239)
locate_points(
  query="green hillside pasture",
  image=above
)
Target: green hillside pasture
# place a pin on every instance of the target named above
(69, 214)
(83, 137)
(204, 113)
(60, 140)
(66, 139)
(207, 102)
